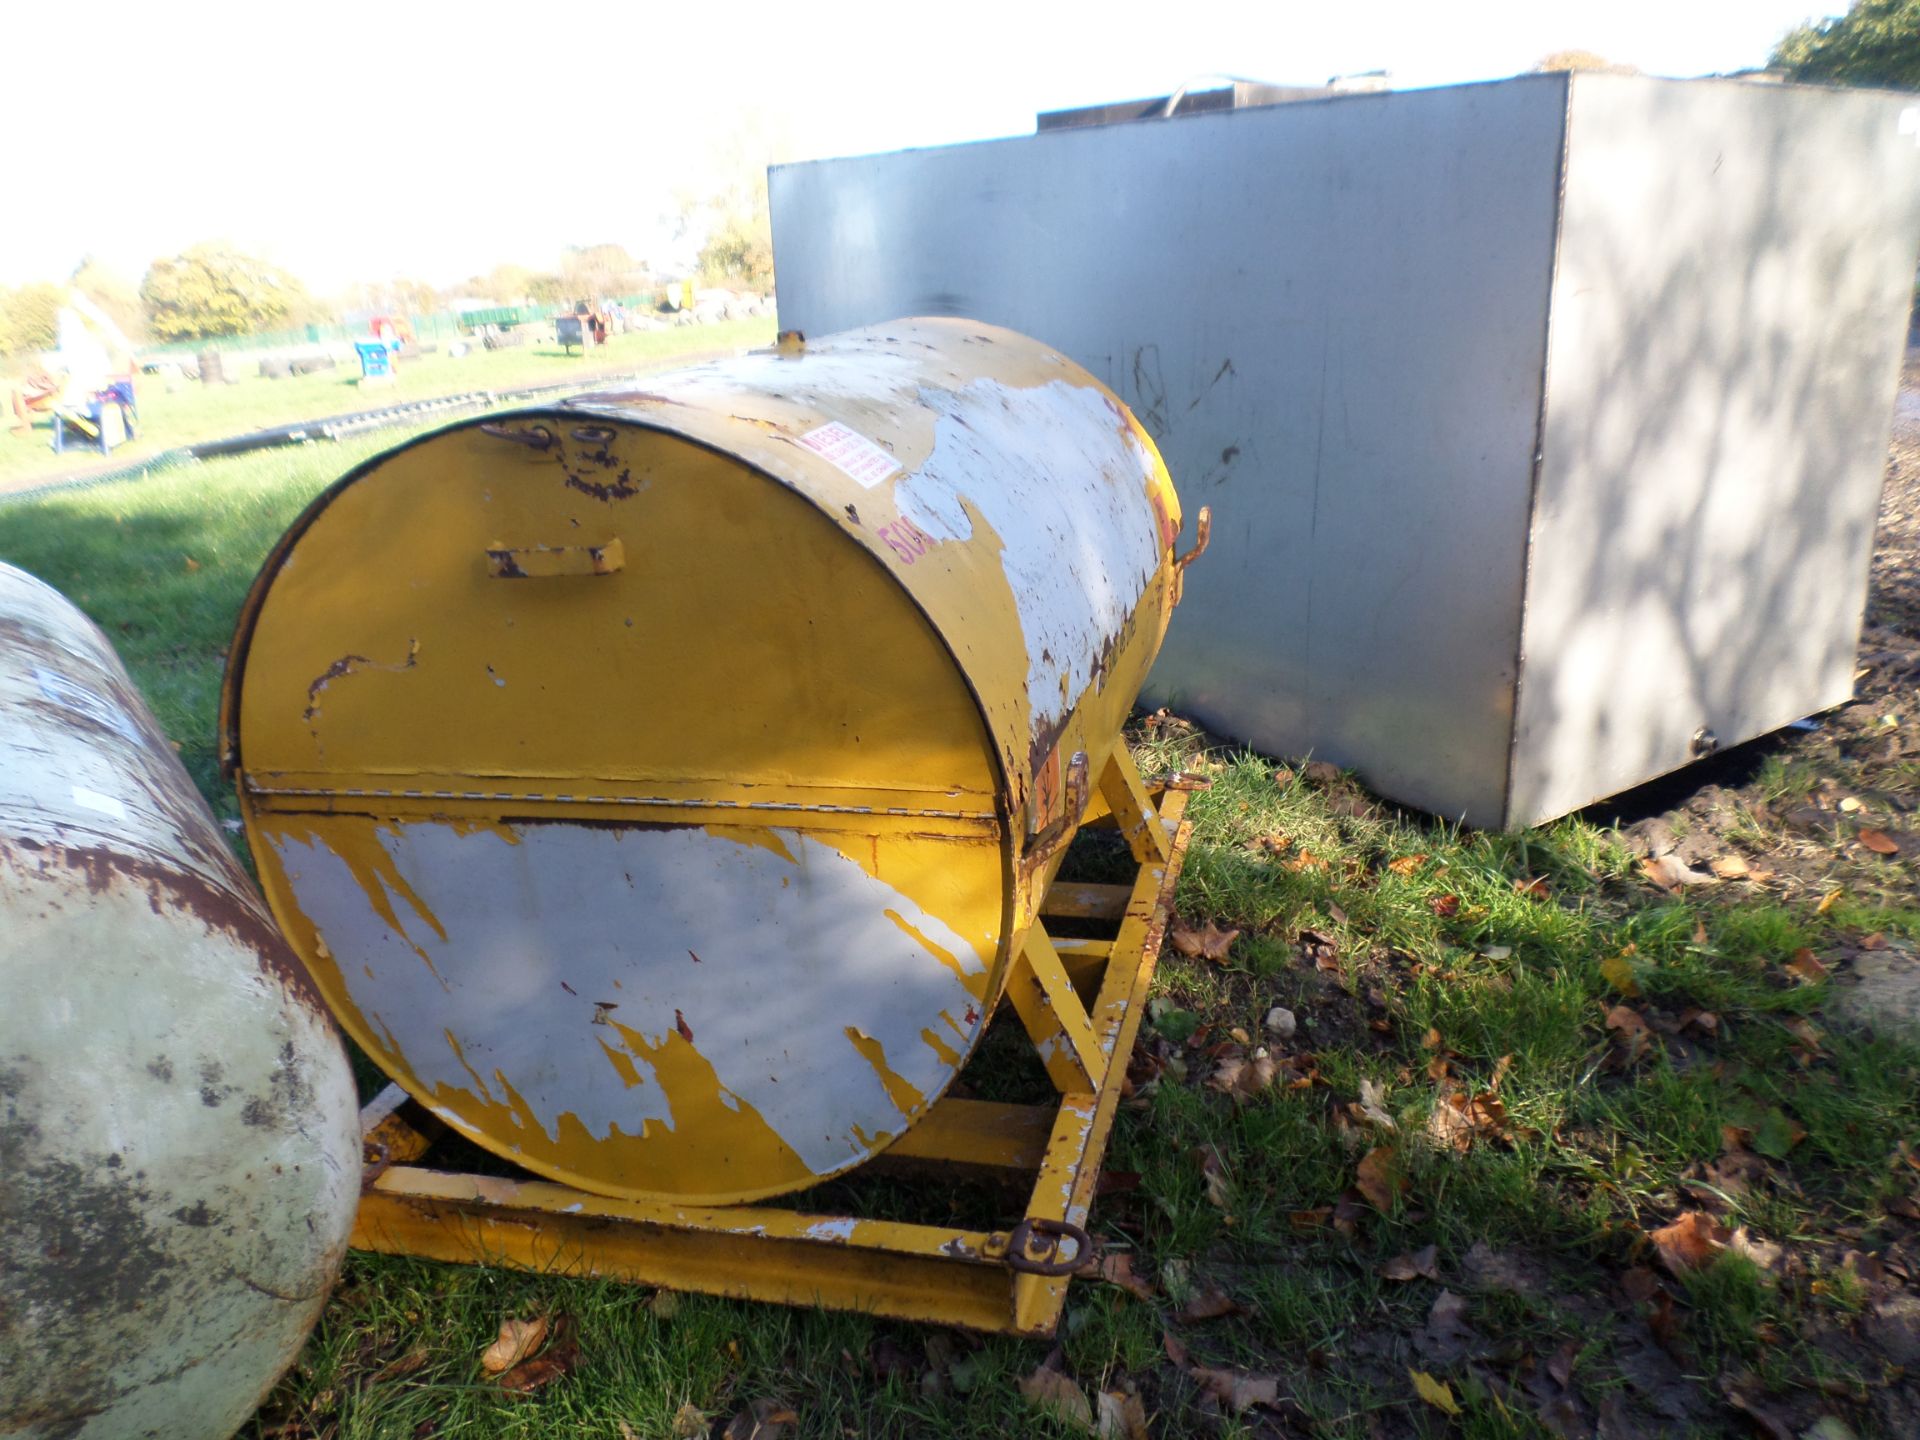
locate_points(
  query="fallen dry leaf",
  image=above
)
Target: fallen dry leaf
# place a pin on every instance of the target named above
(1730, 867)
(1209, 1302)
(762, 1420)
(1435, 1392)
(1116, 1268)
(1047, 1389)
(1351, 805)
(1804, 1030)
(689, 1423)
(1805, 966)
(1664, 1322)
(1207, 942)
(1348, 1211)
(1122, 1417)
(1763, 1253)
(518, 1339)
(1444, 906)
(1379, 1178)
(1879, 842)
(558, 1359)
(1534, 889)
(1373, 1096)
(1689, 1242)
(1630, 1029)
(1322, 772)
(1617, 971)
(1243, 1076)
(1640, 1284)
(1213, 1174)
(1828, 901)
(1422, 1264)
(1458, 1119)
(1406, 864)
(665, 1304)
(1449, 1310)
(1235, 1391)
(1671, 873)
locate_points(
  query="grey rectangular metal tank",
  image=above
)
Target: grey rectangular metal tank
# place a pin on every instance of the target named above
(1543, 421)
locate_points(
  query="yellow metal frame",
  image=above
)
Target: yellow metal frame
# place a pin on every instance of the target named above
(1080, 1002)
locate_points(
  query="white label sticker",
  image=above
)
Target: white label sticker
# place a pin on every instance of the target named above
(1910, 122)
(850, 451)
(82, 701)
(93, 800)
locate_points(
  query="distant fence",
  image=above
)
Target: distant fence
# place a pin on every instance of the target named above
(439, 325)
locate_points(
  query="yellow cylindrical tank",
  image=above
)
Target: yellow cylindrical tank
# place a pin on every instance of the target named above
(659, 784)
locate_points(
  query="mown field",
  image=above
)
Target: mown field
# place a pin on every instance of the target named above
(192, 411)
(1431, 1133)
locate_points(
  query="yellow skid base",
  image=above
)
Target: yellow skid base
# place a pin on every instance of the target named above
(1081, 1001)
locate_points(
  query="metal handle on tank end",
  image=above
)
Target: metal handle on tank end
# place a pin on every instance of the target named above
(537, 437)
(551, 562)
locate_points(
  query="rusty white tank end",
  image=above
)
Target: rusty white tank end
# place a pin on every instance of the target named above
(179, 1150)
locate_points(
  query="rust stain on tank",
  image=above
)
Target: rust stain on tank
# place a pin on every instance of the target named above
(96, 869)
(348, 665)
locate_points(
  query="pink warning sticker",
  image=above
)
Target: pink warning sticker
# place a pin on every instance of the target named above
(850, 451)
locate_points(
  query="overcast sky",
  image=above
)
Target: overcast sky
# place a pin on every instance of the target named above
(368, 140)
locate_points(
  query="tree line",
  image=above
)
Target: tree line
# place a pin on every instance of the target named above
(214, 289)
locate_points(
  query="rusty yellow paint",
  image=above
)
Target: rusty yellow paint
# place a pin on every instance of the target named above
(910, 1100)
(917, 1272)
(667, 610)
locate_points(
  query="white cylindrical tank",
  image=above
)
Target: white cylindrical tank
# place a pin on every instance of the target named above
(179, 1146)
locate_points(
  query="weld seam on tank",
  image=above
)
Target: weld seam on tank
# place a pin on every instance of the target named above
(648, 801)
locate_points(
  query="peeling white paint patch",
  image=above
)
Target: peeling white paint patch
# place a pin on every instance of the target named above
(1078, 544)
(617, 916)
(831, 1230)
(108, 805)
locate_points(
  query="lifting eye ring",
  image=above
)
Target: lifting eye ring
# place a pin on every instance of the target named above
(1048, 1234)
(375, 1160)
(1202, 533)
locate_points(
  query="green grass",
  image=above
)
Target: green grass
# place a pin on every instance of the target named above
(1438, 957)
(194, 411)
